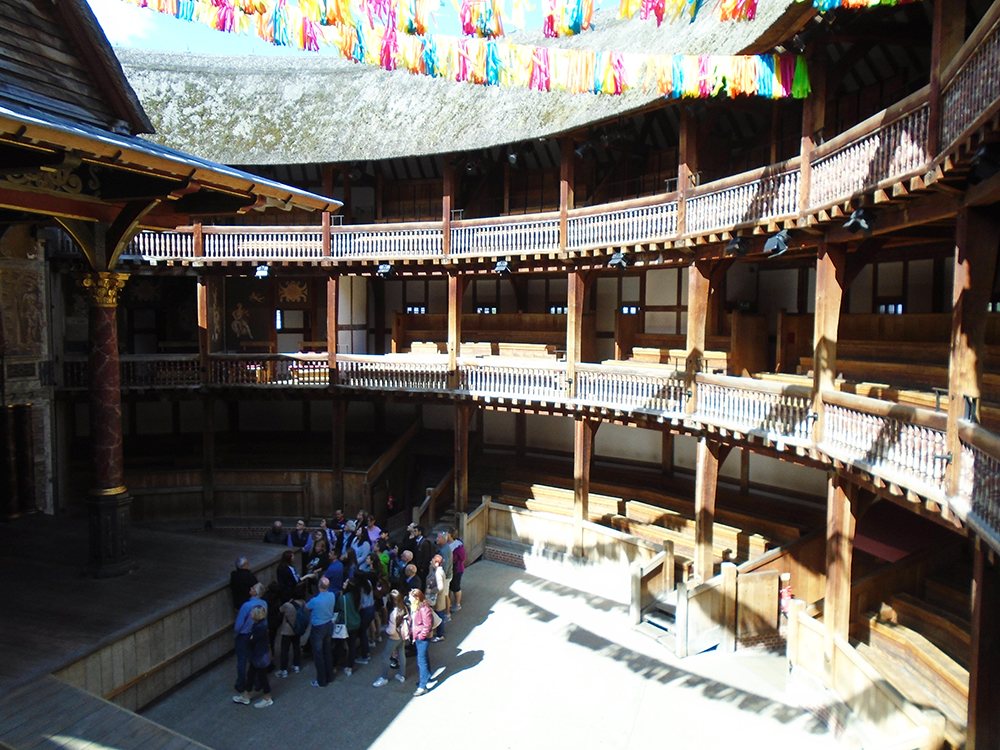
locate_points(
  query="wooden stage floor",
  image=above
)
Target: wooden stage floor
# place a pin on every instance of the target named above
(53, 615)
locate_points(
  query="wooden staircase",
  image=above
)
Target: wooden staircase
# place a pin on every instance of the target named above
(921, 647)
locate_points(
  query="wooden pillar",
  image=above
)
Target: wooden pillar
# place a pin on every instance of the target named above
(24, 457)
(574, 328)
(347, 210)
(744, 471)
(337, 458)
(583, 454)
(8, 462)
(565, 188)
(699, 288)
(840, 524)
(463, 416)
(447, 203)
(456, 292)
(813, 123)
(705, 491)
(332, 311)
(667, 454)
(976, 242)
(521, 434)
(831, 262)
(947, 37)
(984, 661)
(208, 458)
(108, 500)
(687, 165)
(204, 334)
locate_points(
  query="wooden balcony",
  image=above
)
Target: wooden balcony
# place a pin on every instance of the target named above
(890, 156)
(898, 449)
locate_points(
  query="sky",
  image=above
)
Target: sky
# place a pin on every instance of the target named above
(127, 25)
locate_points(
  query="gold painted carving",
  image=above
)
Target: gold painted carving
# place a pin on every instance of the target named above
(120, 490)
(62, 180)
(103, 287)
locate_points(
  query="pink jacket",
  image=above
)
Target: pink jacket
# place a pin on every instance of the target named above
(422, 623)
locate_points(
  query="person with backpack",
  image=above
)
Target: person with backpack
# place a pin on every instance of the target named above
(398, 630)
(294, 624)
(260, 659)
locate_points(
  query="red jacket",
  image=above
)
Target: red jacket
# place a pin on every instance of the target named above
(422, 623)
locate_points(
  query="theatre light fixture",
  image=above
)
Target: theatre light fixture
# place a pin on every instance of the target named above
(262, 271)
(985, 163)
(384, 270)
(503, 268)
(777, 244)
(738, 246)
(618, 260)
(861, 221)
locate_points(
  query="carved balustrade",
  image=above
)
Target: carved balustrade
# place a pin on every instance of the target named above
(631, 389)
(387, 241)
(776, 412)
(972, 83)
(979, 481)
(622, 224)
(751, 198)
(523, 380)
(901, 444)
(392, 373)
(513, 235)
(885, 148)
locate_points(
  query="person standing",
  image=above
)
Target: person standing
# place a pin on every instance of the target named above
(422, 622)
(240, 581)
(299, 537)
(398, 630)
(321, 617)
(458, 554)
(241, 630)
(289, 638)
(423, 551)
(276, 535)
(260, 660)
(437, 594)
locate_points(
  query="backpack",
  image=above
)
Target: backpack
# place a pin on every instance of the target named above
(301, 620)
(381, 588)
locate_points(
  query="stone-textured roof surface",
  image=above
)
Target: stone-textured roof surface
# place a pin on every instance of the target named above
(309, 108)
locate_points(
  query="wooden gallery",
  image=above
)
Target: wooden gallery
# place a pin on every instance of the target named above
(714, 351)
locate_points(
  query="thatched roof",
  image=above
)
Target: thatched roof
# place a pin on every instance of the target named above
(301, 109)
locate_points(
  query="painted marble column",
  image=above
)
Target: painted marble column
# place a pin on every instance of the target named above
(108, 499)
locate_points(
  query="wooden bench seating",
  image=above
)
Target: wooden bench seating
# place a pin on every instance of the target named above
(903, 374)
(769, 519)
(550, 499)
(712, 361)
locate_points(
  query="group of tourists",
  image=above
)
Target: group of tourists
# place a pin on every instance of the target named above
(352, 587)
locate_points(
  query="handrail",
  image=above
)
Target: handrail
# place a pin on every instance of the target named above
(887, 148)
(905, 446)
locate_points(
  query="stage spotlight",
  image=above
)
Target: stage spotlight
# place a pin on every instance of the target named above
(355, 173)
(384, 270)
(583, 149)
(778, 244)
(861, 221)
(503, 268)
(618, 260)
(262, 271)
(985, 163)
(738, 246)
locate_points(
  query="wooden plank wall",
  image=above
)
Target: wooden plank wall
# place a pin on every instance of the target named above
(37, 56)
(157, 656)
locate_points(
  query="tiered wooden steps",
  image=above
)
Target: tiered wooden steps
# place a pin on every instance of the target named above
(922, 649)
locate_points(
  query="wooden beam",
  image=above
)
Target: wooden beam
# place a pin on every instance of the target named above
(840, 525)
(332, 313)
(125, 227)
(456, 293)
(565, 188)
(984, 661)
(705, 491)
(831, 263)
(977, 240)
(463, 417)
(584, 430)
(947, 37)
(699, 289)
(574, 327)
(667, 454)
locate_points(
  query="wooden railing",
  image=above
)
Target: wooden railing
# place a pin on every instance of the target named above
(902, 445)
(886, 149)
(899, 443)
(750, 198)
(508, 235)
(622, 224)
(770, 410)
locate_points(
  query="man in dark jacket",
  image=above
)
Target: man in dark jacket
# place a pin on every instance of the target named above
(240, 581)
(276, 535)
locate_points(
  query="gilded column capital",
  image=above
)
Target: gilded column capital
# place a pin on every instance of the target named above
(103, 287)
